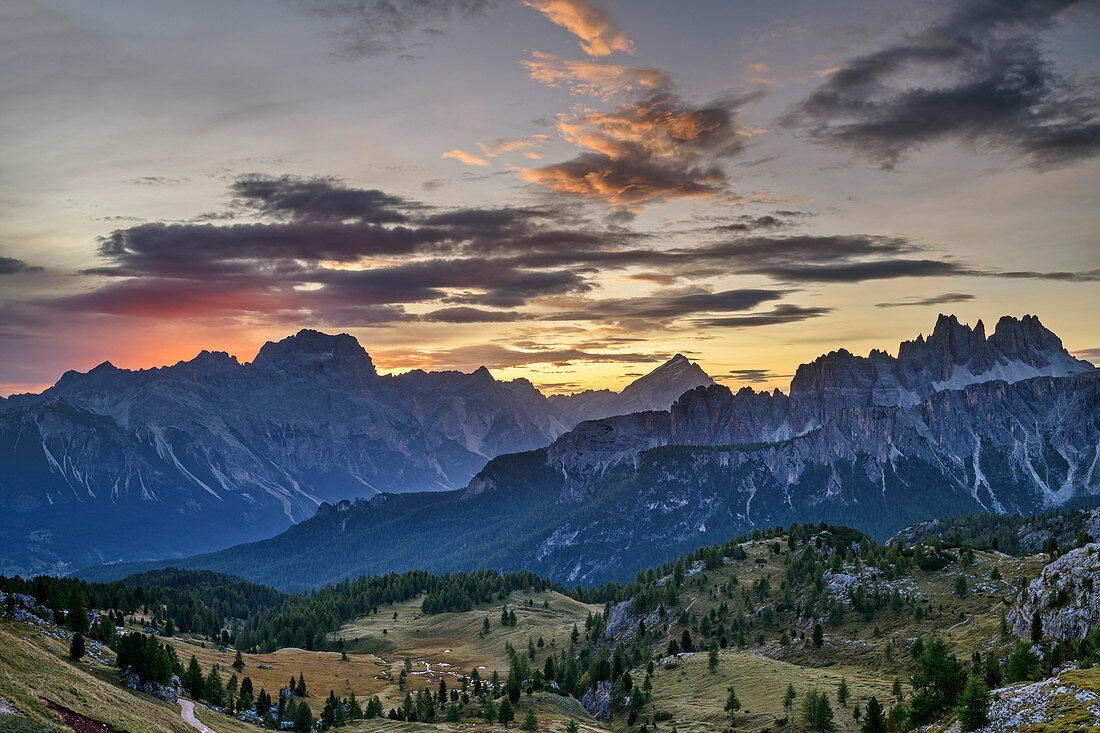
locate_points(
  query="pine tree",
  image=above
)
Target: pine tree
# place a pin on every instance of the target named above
(874, 721)
(1023, 664)
(788, 698)
(77, 613)
(303, 719)
(817, 711)
(530, 722)
(712, 657)
(842, 693)
(238, 661)
(76, 648)
(244, 702)
(732, 703)
(213, 689)
(973, 708)
(231, 692)
(1036, 626)
(505, 715)
(572, 727)
(193, 680)
(300, 689)
(819, 636)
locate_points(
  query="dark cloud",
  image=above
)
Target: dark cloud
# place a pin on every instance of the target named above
(12, 266)
(994, 89)
(666, 307)
(755, 376)
(365, 28)
(318, 251)
(747, 223)
(497, 356)
(1093, 353)
(1085, 276)
(652, 150)
(465, 314)
(780, 314)
(933, 300)
(317, 200)
(854, 272)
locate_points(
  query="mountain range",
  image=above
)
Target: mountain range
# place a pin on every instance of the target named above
(956, 422)
(115, 464)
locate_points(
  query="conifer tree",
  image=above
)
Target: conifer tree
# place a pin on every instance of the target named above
(76, 647)
(213, 689)
(505, 715)
(973, 708)
(732, 703)
(193, 679)
(788, 698)
(303, 718)
(874, 721)
(238, 661)
(842, 693)
(77, 613)
(244, 702)
(530, 722)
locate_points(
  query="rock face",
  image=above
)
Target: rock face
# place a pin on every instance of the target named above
(115, 464)
(1067, 594)
(872, 442)
(655, 391)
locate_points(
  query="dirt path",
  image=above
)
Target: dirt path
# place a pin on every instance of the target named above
(187, 710)
(78, 722)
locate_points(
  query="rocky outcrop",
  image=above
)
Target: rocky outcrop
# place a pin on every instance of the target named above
(597, 701)
(1066, 595)
(622, 623)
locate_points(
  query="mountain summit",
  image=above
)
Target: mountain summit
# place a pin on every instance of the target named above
(211, 451)
(654, 391)
(957, 423)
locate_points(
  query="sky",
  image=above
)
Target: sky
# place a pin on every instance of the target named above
(570, 191)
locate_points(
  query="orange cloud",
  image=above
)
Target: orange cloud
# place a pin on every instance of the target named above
(592, 78)
(658, 126)
(598, 34)
(464, 157)
(512, 145)
(656, 149)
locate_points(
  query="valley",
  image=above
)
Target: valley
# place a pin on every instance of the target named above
(815, 607)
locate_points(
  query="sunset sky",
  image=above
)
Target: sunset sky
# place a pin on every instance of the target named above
(565, 190)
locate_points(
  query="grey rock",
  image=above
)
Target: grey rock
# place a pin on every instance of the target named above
(1067, 594)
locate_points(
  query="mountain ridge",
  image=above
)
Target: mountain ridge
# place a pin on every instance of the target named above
(231, 451)
(847, 444)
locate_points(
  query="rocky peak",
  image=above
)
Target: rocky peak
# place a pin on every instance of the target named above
(664, 384)
(1027, 340)
(313, 352)
(482, 374)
